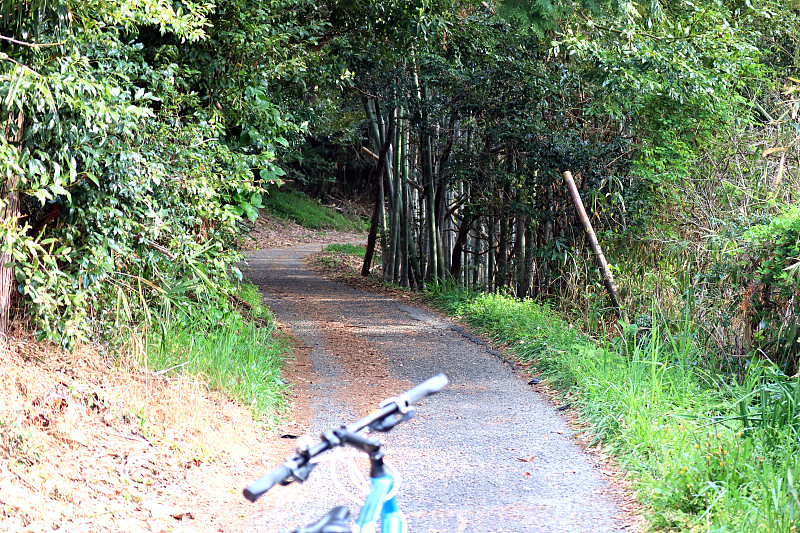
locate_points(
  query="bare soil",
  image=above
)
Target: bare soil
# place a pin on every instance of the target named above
(92, 442)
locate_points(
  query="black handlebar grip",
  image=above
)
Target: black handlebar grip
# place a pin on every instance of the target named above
(263, 484)
(426, 388)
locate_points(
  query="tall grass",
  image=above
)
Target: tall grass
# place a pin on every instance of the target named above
(708, 453)
(235, 354)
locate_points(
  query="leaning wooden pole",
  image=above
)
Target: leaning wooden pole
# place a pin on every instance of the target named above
(602, 264)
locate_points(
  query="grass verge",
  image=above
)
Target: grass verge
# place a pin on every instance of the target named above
(309, 213)
(234, 353)
(342, 257)
(707, 452)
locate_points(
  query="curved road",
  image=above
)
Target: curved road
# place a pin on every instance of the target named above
(488, 454)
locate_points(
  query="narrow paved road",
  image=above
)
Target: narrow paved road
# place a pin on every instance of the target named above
(488, 454)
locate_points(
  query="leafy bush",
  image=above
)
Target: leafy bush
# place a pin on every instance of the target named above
(132, 184)
(772, 278)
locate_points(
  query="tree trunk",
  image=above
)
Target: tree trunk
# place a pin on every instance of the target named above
(519, 255)
(432, 272)
(490, 254)
(9, 214)
(530, 249)
(405, 219)
(388, 228)
(376, 212)
(397, 201)
(369, 109)
(373, 234)
(502, 253)
(458, 247)
(545, 273)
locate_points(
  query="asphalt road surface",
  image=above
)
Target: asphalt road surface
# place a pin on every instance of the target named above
(488, 454)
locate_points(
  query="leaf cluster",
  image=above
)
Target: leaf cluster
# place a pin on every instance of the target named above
(141, 153)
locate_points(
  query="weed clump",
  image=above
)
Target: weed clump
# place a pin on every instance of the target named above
(233, 352)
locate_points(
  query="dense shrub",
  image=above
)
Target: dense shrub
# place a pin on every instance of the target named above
(771, 267)
(132, 178)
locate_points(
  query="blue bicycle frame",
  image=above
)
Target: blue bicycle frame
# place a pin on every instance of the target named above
(377, 505)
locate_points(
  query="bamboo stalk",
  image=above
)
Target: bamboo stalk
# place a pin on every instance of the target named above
(376, 213)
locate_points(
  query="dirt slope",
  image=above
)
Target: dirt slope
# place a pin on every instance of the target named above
(89, 444)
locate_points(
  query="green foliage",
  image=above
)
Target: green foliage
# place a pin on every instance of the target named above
(707, 454)
(307, 212)
(775, 248)
(133, 180)
(771, 271)
(537, 17)
(237, 355)
(674, 69)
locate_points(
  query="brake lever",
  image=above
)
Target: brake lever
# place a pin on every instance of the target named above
(303, 465)
(300, 473)
(386, 424)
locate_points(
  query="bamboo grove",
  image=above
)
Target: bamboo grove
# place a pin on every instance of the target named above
(460, 117)
(140, 138)
(460, 194)
(470, 117)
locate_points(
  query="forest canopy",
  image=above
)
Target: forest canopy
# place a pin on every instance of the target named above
(140, 138)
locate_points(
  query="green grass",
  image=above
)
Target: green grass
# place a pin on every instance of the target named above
(357, 250)
(309, 213)
(342, 256)
(236, 355)
(707, 453)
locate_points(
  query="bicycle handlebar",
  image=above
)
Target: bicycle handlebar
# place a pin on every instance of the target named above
(254, 491)
(293, 464)
(426, 388)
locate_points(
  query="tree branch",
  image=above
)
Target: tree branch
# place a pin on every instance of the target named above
(30, 45)
(4, 57)
(25, 68)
